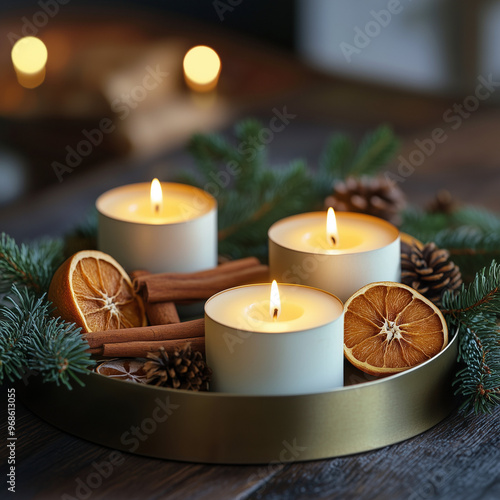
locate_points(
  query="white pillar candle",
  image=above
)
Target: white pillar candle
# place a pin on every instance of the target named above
(256, 347)
(364, 249)
(171, 231)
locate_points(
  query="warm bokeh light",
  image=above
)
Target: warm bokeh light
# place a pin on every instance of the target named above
(156, 196)
(29, 56)
(201, 68)
(275, 301)
(332, 234)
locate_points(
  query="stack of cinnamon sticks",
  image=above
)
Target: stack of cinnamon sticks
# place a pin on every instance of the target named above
(160, 293)
(179, 288)
(137, 342)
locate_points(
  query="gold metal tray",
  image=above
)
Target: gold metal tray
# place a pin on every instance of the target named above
(232, 429)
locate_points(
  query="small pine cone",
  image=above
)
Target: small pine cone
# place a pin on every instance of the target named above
(376, 196)
(443, 203)
(429, 270)
(181, 369)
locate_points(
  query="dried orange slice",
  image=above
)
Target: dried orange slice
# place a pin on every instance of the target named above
(92, 290)
(390, 327)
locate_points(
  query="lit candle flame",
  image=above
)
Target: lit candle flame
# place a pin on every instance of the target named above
(156, 196)
(29, 56)
(201, 68)
(275, 302)
(332, 233)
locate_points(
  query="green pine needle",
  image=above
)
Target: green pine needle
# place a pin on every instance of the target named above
(471, 235)
(30, 340)
(31, 266)
(33, 342)
(474, 310)
(252, 194)
(375, 151)
(470, 249)
(341, 158)
(337, 156)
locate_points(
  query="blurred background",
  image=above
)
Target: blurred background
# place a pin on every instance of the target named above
(114, 79)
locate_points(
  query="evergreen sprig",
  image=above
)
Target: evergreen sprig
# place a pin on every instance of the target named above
(474, 311)
(30, 266)
(471, 235)
(252, 194)
(470, 249)
(31, 342)
(342, 157)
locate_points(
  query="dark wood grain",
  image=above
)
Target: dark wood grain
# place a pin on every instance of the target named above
(459, 458)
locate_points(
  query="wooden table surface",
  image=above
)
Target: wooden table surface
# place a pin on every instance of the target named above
(459, 458)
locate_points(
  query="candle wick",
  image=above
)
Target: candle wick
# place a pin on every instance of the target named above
(334, 241)
(157, 208)
(275, 313)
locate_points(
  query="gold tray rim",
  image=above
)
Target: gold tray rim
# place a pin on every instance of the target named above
(224, 428)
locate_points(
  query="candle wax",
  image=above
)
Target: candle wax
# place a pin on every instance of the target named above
(302, 308)
(260, 312)
(133, 204)
(356, 233)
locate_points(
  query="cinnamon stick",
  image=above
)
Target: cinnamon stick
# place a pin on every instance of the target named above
(173, 289)
(141, 349)
(137, 274)
(143, 277)
(175, 331)
(161, 313)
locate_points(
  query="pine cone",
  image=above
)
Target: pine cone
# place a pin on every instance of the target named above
(376, 196)
(429, 270)
(443, 203)
(182, 369)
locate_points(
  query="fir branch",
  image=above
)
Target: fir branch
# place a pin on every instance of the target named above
(423, 225)
(479, 379)
(341, 158)
(252, 194)
(479, 218)
(426, 226)
(209, 151)
(281, 193)
(482, 296)
(471, 235)
(337, 156)
(376, 150)
(88, 227)
(58, 352)
(474, 310)
(31, 266)
(470, 249)
(16, 323)
(83, 236)
(253, 153)
(31, 341)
